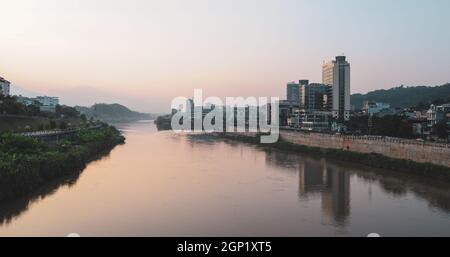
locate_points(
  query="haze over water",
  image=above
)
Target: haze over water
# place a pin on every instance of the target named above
(162, 184)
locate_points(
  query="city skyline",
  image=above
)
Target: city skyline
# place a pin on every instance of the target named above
(145, 53)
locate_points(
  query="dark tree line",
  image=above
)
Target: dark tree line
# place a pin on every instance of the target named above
(391, 126)
(9, 105)
(405, 97)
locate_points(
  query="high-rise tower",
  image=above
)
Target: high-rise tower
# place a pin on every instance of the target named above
(337, 74)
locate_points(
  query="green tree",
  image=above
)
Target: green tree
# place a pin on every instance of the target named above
(52, 124)
(66, 111)
(441, 130)
(63, 125)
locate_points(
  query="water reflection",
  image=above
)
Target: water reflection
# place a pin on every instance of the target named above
(331, 182)
(161, 184)
(318, 179)
(11, 209)
(436, 193)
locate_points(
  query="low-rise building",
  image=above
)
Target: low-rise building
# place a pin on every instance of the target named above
(26, 100)
(437, 114)
(4, 86)
(288, 109)
(45, 103)
(308, 106)
(314, 121)
(373, 108)
(318, 97)
(48, 103)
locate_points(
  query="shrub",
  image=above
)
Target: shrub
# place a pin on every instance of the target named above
(27, 163)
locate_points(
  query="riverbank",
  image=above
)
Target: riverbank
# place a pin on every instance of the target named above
(27, 163)
(373, 160)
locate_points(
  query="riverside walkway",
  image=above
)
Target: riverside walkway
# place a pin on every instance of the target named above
(53, 136)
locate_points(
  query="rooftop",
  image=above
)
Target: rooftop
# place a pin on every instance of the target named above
(3, 80)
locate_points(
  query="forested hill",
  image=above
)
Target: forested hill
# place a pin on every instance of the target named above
(113, 113)
(405, 96)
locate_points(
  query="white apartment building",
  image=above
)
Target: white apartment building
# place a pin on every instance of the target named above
(4, 86)
(438, 114)
(337, 74)
(372, 108)
(46, 103)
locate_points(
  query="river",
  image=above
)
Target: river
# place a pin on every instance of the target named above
(163, 184)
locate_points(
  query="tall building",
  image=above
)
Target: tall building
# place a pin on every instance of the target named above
(337, 74)
(293, 92)
(4, 86)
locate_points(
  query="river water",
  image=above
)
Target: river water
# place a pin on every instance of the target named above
(162, 184)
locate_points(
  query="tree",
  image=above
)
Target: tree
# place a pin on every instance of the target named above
(66, 111)
(52, 124)
(392, 126)
(358, 124)
(63, 125)
(441, 130)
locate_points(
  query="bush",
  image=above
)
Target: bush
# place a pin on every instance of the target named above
(27, 163)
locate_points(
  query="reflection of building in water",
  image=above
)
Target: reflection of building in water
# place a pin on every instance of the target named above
(332, 183)
(289, 162)
(336, 199)
(312, 177)
(329, 183)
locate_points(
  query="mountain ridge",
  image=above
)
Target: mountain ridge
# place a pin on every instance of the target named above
(113, 113)
(405, 97)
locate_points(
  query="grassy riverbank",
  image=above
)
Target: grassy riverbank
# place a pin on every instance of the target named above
(372, 160)
(26, 163)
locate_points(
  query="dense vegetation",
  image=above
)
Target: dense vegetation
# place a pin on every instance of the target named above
(390, 125)
(26, 163)
(164, 122)
(10, 106)
(405, 97)
(373, 160)
(112, 113)
(16, 117)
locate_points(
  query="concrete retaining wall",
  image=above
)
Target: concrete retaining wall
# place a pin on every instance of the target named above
(390, 147)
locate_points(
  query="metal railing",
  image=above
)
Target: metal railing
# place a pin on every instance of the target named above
(45, 133)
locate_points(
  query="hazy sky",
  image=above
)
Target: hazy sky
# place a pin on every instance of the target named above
(143, 53)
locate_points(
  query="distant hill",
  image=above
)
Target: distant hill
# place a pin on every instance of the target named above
(405, 96)
(113, 113)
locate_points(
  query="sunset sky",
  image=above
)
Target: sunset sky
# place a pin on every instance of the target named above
(142, 53)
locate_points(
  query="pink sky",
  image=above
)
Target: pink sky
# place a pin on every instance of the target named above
(144, 53)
